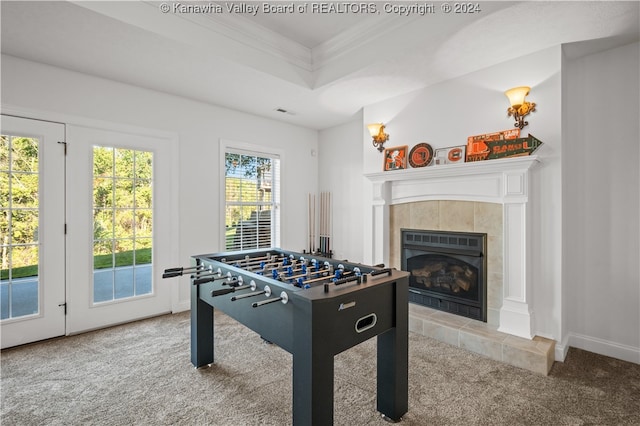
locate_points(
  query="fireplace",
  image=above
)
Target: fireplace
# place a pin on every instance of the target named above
(504, 181)
(448, 270)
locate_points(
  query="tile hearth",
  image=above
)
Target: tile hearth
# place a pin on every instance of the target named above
(535, 355)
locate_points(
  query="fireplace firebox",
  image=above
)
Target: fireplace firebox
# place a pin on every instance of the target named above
(448, 270)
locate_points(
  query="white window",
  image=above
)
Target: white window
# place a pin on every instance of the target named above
(252, 198)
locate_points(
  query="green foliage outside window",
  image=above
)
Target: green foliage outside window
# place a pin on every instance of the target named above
(122, 200)
(19, 186)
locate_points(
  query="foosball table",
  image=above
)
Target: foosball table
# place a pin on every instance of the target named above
(314, 308)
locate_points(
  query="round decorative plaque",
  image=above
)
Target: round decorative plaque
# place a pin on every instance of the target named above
(421, 155)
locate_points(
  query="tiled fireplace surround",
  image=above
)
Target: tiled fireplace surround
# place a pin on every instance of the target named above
(491, 197)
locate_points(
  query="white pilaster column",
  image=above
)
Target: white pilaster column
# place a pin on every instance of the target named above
(380, 231)
(515, 314)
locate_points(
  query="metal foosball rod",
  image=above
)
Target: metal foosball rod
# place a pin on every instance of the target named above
(289, 273)
(340, 274)
(342, 281)
(288, 263)
(315, 280)
(248, 259)
(264, 265)
(223, 291)
(286, 272)
(314, 269)
(386, 271)
(285, 265)
(179, 271)
(284, 298)
(308, 274)
(230, 279)
(246, 263)
(245, 295)
(208, 272)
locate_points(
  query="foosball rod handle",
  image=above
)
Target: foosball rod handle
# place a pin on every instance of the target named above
(381, 271)
(357, 278)
(224, 291)
(242, 296)
(283, 298)
(231, 279)
(179, 271)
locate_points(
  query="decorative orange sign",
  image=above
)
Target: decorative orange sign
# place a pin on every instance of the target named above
(478, 148)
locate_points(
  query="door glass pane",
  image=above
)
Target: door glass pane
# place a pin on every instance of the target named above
(122, 218)
(142, 261)
(123, 283)
(124, 192)
(143, 222)
(102, 161)
(103, 192)
(19, 225)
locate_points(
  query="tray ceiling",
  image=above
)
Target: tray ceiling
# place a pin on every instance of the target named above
(321, 68)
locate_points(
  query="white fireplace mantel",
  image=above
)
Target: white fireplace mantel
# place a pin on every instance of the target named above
(504, 181)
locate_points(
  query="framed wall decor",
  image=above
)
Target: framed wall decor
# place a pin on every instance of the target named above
(451, 155)
(421, 155)
(395, 158)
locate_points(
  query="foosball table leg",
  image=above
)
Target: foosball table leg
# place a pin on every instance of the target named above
(312, 389)
(201, 330)
(313, 371)
(393, 361)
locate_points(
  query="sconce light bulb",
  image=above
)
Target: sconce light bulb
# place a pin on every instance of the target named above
(519, 106)
(379, 136)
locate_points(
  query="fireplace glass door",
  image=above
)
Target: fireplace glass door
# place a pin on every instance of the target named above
(448, 270)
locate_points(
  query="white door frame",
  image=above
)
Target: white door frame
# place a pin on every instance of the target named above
(83, 313)
(50, 319)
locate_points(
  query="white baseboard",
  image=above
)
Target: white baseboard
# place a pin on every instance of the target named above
(562, 348)
(604, 347)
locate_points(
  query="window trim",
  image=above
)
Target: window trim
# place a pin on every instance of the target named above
(237, 147)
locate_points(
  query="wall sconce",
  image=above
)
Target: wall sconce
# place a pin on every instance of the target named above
(519, 106)
(378, 135)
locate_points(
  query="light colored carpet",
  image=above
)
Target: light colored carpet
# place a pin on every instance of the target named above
(140, 374)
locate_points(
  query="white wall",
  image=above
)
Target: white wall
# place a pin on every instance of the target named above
(585, 191)
(340, 165)
(601, 208)
(446, 114)
(54, 93)
(587, 188)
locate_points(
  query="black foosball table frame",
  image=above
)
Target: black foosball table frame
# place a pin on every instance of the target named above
(314, 313)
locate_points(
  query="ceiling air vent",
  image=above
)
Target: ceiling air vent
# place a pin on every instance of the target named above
(284, 111)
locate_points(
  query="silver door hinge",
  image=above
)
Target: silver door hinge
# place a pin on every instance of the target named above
(65, 147)
(65, 307)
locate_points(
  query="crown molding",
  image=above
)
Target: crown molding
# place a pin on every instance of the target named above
(239, 39)
(357, 37)
(231, 31)
(246, 32)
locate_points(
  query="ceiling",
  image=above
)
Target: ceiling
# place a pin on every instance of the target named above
(319, 66)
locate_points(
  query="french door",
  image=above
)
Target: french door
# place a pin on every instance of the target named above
(79, 242)
(119, 197)
(32, 240)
